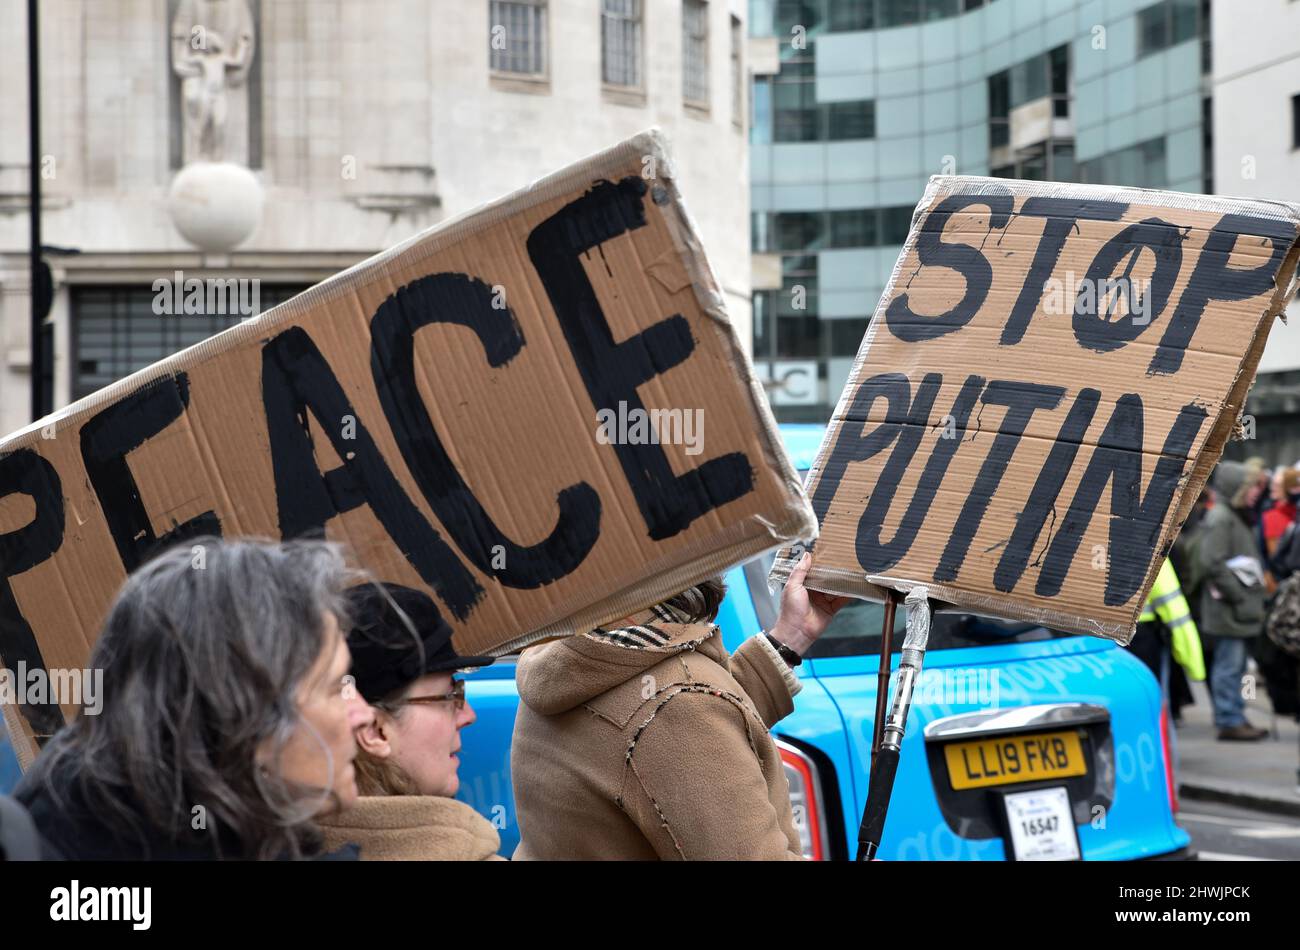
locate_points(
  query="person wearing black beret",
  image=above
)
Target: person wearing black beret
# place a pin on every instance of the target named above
(403, 663)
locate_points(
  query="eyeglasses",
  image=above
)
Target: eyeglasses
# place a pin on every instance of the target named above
(457, 696)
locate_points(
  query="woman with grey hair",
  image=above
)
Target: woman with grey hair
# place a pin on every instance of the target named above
(228, 715)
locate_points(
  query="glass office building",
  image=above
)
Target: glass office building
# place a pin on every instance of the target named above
(857, 102)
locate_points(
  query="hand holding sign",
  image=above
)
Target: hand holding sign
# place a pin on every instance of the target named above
(805, 614)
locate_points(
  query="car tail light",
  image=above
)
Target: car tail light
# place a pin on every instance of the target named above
(1169, 758)
(806, 801)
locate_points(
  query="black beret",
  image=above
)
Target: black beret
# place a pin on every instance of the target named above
(386, 656)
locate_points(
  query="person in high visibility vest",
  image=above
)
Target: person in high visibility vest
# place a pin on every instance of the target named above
(1166, 627)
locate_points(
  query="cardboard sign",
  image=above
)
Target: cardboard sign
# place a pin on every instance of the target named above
(539, 412)
(1048, 381)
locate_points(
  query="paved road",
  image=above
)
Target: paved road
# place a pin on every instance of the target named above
(1228, 833)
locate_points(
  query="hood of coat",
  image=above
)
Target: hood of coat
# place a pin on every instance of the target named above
(1232, 479)
(558, 676)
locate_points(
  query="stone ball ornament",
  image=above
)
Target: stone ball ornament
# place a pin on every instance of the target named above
(216, 206)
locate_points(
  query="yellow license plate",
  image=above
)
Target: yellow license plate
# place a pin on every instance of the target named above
(1010, 759)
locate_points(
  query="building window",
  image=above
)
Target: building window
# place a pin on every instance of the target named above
(899, 12)
(794, 102)
(1140, 166)
(517, 30)
(695, 52)
(117, 330)
(834, 16)
(855, 119)
(999, 109)
(1207, 141)
(620, 31)
(852, 14)
(1295, 121)
(1167, 24)
(1058, 65)
(737, 73)
(801, 232)
(797, 116)
(1041, 76)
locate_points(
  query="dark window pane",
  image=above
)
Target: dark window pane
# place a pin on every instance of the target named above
(846, 335)
(1029, 80)
(1033, 164)
(895, 224)
(798, 336)
(1059, 60)
(899, 12)
(792, 13)
(999, 132)
(1184, 20)
(798, 230)
(1003, 171)
(853, 228)
(851, 120)
(938, 9)
(116, 331)
(973, 4)
(852, 14)
(1153, 28)
(999, 95)
(1295, 121)
(794, 107)
(798, 268)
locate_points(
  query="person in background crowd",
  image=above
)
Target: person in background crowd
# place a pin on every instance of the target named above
(1284, 494)
(1180, 554)
(648, 741)
(1228, 576)
(225, 728)
(1280, 670)
(1166, 628)
(1180, 559)
(402, 661)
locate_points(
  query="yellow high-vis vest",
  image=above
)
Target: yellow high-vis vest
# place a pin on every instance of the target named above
(1167, 602)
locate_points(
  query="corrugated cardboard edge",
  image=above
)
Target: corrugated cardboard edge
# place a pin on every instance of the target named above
(874, 587)
(797, 522)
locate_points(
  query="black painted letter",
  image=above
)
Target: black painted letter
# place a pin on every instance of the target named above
(613, 371)
(455, 298)
(297, 380)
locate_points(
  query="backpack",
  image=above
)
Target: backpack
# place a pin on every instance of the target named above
(18, 838)
(1283, 626)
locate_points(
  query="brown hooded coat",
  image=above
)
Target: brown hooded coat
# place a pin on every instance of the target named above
(651, 742)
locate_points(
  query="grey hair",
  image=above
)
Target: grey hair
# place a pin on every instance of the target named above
(202, 653)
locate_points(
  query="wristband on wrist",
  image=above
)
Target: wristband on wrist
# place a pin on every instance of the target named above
(791, 658)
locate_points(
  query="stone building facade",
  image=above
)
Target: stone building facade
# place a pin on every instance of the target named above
(362, 121)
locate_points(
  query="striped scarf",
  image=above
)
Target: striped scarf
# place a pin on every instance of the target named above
(639, 631)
